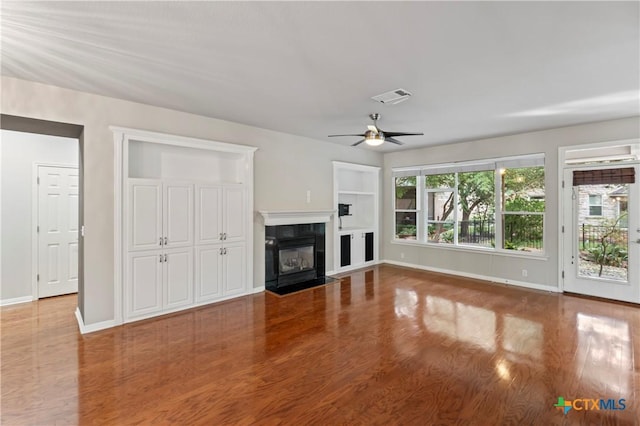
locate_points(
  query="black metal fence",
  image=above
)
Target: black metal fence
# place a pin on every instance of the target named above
(479, 232)
(592, 235)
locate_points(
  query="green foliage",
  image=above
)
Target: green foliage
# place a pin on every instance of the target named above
(404, 231)
(524, 205)
(610, 255)
(406, 190)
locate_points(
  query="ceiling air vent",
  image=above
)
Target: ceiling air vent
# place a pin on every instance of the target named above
(393, 97)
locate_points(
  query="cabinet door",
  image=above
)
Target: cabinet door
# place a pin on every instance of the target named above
(208, 214)
(178, 217)
(234, 269)
(178, 277)
(357, 248)
(345, 250)
(144, 283)
(369, 252)
(234, 214)
(208, 272)
(145, 214)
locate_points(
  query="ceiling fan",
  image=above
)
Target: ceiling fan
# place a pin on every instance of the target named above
(375, 136)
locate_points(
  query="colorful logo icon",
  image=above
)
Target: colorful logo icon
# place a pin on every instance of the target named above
(563, 405)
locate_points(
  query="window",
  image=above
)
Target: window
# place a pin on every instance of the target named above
(595, 205)
(523, 208)
(441, 213)
(494, 204)
(406, 207)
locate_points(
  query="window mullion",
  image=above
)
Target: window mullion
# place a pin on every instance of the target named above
(499, 209)
(455, 211)
(420, 215)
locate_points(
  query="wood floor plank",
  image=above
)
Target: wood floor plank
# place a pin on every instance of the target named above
(387, 345)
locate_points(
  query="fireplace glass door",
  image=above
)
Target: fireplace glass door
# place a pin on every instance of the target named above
(297, 259)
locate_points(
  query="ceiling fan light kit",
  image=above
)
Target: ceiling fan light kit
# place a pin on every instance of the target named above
(375, 136)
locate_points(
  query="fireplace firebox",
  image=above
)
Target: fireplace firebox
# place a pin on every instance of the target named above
(294, 254)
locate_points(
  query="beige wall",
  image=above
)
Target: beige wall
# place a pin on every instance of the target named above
(539, 272)
(286, 166)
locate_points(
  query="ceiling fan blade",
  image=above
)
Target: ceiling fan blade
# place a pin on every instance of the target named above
(333, 136)
(373, 128)
(358, 143)
(392, 140)
(393, 134)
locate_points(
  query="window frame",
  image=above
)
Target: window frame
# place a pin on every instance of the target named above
(495, 165)
(601, 205)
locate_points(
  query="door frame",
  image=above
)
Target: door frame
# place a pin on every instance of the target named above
(562, 166)
(34, 223)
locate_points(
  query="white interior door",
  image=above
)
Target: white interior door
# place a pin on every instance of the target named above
(601, 239)
(57, 231)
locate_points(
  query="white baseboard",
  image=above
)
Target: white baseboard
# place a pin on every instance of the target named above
(258, 289)
(353, 268)
(84, 329)
(16, 300)
(476, 276)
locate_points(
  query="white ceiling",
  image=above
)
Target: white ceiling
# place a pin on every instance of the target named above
(475, 69)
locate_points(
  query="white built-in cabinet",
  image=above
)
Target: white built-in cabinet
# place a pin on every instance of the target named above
(357, 234)
(220, 241)
(186, 223)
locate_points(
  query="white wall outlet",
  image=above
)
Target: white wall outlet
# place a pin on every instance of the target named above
(308, 196)
(524, 273)
(401, 255)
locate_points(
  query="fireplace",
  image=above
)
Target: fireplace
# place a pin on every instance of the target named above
(294, 254)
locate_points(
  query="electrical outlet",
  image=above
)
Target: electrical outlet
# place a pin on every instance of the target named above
(401, 255)
(524, 273)
(308, 196)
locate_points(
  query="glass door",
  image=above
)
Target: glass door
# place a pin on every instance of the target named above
(601, 238)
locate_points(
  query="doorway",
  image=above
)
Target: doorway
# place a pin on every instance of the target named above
(600, 220)
(47, 144)
(56, 231)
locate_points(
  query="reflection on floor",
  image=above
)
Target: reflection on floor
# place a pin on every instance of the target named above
(386, 345)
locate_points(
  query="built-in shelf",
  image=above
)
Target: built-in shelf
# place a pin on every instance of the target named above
(356, 234)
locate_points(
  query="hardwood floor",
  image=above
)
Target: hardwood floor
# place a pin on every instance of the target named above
(386, 346)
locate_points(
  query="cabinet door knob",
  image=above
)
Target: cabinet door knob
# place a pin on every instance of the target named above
(221, 236)
(165, 257)
(225, 251)
(160, 258)
(220, 250)
(224, 236)
(160, 242)
(166, 241)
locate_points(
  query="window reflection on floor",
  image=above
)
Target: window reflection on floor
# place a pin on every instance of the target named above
(604, 351)
(406, 303)
(462, 322)
(523, 337)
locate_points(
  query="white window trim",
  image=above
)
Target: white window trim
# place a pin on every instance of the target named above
(601, 205)
(495, 164)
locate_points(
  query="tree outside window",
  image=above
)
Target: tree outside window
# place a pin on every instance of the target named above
(406, 207)
(523, 208)
(461, 203)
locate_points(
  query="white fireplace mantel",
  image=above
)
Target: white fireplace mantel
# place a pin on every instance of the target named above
(296, 217)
